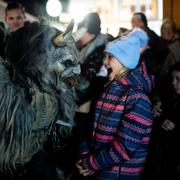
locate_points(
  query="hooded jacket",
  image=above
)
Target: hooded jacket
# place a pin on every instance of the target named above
(122, 127)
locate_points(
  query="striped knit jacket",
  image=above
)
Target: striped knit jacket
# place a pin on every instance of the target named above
(122, 127)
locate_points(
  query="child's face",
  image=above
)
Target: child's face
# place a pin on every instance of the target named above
(114, 65)
(176, 81)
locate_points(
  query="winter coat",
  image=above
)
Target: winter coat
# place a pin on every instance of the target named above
(122, 126)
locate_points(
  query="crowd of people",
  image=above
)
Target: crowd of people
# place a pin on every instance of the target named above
(126, 121)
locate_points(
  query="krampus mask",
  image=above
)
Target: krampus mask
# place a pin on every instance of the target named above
(37, 90)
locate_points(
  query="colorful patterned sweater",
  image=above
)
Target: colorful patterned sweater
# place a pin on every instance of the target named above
(122, 127)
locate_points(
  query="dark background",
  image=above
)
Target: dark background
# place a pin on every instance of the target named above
(38, 7)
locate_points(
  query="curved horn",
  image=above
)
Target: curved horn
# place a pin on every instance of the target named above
(58, 39)
(61, 37)
(69, 29)
(79, 33)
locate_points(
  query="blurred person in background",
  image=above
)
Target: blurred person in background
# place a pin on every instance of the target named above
(150, 55)
(14, 16)
(89, 42)
(140, 20)
(173, 55)
(165, 153)
(91, 46)
(168, 30)
(15, 19)
(168, 35)
(91, 51)
(93, 36)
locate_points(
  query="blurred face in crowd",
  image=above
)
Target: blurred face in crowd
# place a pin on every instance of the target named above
(15, 19)
(167, 31)
(137, 22)
(115, 69)
(176, 81)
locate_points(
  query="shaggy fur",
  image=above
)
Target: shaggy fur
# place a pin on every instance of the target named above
(35, 92)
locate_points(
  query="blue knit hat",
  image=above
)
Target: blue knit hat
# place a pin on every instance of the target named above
(127, 49)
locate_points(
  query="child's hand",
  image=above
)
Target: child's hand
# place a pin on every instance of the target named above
(82, 170)
(157, 109)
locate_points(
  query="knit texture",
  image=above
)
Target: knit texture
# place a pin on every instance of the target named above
(127, 49)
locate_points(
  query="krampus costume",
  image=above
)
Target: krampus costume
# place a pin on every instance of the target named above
(36, 92)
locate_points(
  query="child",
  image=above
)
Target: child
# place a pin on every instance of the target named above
(123, 115)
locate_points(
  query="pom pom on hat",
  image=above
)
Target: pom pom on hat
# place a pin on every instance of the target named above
(141, 35)
(127, 49)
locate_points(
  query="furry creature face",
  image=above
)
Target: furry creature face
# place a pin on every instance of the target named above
(31, 50)
(48, 58)
(37, 91)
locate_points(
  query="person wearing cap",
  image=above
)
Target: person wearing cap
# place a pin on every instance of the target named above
(123, 116)
(92, 38)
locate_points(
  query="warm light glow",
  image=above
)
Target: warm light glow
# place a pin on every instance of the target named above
(78, 11)
(54, 8)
